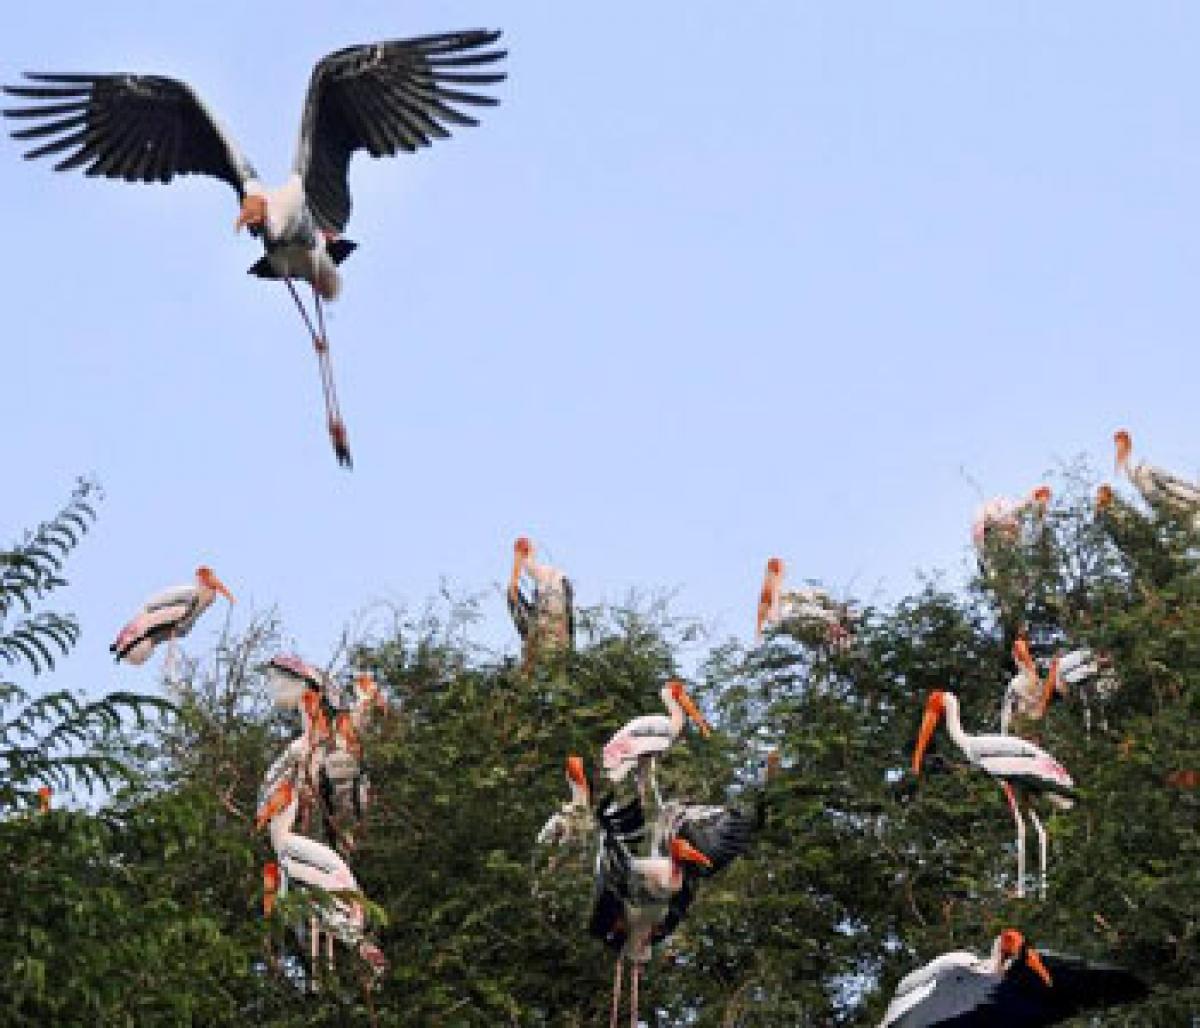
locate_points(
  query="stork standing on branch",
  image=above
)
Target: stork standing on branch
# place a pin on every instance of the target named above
(545, 621)
(168, 615)
(380, 97)
(1024, 771)
(1159, 488)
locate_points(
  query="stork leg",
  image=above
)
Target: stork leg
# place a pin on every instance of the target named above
(337, 430)
(616, 997)
(1016, 812)
(633, 994)
(314, 948)
(654, 786)
(337, 427)
(1041, 833)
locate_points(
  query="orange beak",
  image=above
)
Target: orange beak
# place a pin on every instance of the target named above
(1124, 448)
(44, 794)
(682, 850)
(692, 711)
(270, 886)
(279, 800)
(1023, 657)
(1104, 496)
(522, 549)
(933, 714)
(1036, 965)
(577, 776)
(253, 213)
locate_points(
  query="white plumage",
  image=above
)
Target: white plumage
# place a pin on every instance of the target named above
(168, 615)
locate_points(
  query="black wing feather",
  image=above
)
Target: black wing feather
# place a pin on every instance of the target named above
(1077, 985)
(384, 97)
(140, 128)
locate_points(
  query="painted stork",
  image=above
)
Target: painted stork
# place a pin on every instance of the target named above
(639, 901)
(812, 606)
(1091, 677)
(1159, 488)
(545, 622)
(575, 819)
(1024, 771)
(342, 783)
(168, 615)
(1026, 697)
(638, 744)
(381, 97)
(1000, 517)
(311, 864)
(44, 795)
(288, 677)
(1014, 985)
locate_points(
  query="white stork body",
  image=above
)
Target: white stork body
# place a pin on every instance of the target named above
(960, 984)
(307, 861)
(810, 606)
(574, 819)
(644, 738)
(1158, 487)
(396, 95)
(1025, 697)
(545, 622)
(168, 615)
(1025, 771)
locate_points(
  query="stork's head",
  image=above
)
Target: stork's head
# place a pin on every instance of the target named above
(253, 214)
(769, 593)
(44, 794)
(367, 688)
(205, 576)
(1041, 498)
(522, 555)
(577, 780)
(935, 707)
(1104, 497)
(775, 566)
(683, 851)
(674, 688)
(1012, 946)
(270, 886)
(1124, 448)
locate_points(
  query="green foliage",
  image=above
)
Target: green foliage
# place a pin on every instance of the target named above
(148, 913)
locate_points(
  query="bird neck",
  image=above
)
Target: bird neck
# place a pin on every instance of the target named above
(954, 724)
(676, 713)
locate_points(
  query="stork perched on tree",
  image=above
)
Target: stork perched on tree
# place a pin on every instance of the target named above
(1024, 771)
(810, 606)
(1025, 697)
(168, 615)
(380, 97)
(1014, 985)
(309, 863)
(575, 819)
(638, 744)
(639, 901)
(1001, 517)
(545, 621)
(1159, 488)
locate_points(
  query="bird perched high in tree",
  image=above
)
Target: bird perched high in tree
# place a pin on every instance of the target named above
(379, 97)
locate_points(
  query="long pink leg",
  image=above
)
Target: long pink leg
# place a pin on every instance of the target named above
(1016, 813)
(616, 1000)
(337, 431)
(633, 995)
(337, 427)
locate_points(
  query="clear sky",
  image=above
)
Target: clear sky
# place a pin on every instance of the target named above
(715, 281)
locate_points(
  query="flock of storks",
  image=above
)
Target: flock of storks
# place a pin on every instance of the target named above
(400, 95)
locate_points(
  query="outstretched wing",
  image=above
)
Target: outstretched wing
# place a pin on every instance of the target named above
(720, 833)
(1078, 985)
(620, 826)
(384, 97)
(140, 128)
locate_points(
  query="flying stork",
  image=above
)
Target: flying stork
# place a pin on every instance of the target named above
(1025, 771)
(638, 744)
(1014, 985)
(381, 97)
(167, 615)
(1159, 488)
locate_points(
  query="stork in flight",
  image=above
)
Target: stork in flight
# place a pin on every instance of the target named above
(1024, 771)
(1013, 985)
(380, 97)
(639, 743)
(1159, 488)
(167, 615)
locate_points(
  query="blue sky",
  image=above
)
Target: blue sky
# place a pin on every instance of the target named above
(716, 281)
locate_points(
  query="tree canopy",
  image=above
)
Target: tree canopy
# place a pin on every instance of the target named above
(145, 908)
